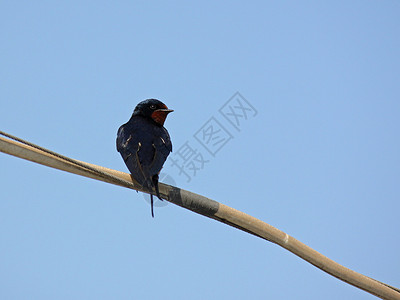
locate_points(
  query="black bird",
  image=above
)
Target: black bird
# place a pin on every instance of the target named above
(144, 144)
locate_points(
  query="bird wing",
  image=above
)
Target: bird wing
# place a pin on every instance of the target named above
(130, 147)
(162, 148)
(143, 155)
(125, 145)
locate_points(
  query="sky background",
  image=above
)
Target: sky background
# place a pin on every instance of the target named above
(319, 160)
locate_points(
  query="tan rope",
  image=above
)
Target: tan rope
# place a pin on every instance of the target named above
(206, 207)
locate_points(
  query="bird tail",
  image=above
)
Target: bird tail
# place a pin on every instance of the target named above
(152, 206)
(150, 185)
(155, 184)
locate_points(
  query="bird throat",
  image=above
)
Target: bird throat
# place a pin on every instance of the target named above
(159, 117)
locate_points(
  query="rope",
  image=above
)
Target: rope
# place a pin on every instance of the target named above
(72, 161)
(233, 218)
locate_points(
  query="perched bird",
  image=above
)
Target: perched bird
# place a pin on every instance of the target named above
(144, 144)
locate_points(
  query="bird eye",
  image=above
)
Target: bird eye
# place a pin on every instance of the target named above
(153, 106)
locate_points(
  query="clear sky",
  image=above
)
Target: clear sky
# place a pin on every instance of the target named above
(316, 155)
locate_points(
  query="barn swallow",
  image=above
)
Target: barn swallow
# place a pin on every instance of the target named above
(144, 144)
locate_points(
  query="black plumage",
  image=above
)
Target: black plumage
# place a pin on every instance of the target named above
(144, 144)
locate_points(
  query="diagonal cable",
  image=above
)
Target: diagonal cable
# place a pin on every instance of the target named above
(73, 161)
(205, 207)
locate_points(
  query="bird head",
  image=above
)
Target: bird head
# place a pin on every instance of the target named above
(154, 109)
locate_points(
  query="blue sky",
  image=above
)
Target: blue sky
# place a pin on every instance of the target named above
(319, 160)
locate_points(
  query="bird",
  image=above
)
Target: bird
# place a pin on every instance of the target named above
(144, 144)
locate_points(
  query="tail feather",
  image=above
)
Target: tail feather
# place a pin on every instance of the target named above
(152, 185)
(152, 208)
(155, 183)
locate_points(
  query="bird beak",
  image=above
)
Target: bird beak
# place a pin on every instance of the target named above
(165, 110)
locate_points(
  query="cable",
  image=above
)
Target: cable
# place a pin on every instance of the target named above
(73, 161)
(205, 207)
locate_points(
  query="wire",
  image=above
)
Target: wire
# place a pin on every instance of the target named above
(72, 161)
(203, 206)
